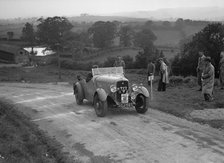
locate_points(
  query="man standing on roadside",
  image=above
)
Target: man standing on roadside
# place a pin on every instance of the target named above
(208, 77)
(150, 72)
(221, 70)
(200, 68)
(163, 76)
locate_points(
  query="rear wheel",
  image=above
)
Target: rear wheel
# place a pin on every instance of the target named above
(79, 101)
(100, 106)
(141, 104)
(78, 95)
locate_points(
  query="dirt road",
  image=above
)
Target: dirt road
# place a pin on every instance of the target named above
(121, 136)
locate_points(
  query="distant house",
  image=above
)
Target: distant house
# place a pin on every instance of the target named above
(13, 54)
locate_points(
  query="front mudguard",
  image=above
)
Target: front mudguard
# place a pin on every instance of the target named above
(142, 90)
(102, 94)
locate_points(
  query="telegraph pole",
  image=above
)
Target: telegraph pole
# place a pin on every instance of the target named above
(59, 61)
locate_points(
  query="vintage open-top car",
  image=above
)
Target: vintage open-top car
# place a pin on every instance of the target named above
(109, 87)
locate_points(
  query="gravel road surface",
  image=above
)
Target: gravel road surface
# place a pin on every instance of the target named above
(121, 136)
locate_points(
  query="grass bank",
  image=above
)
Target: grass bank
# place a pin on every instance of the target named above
(22, 142)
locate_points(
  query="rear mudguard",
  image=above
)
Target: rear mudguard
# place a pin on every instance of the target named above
(102, 94)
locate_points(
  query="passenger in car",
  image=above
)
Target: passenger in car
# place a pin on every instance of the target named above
(119, 62)
(90, 75)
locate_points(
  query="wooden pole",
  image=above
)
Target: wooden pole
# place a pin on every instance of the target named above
(59, 63)
(151, 91)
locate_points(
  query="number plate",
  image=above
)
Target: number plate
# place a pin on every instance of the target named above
(124, 98)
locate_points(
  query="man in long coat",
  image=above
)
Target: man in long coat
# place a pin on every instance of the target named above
(221, 70)
(208, 77)
(163, 76)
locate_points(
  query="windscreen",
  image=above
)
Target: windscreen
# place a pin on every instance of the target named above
(107, 70)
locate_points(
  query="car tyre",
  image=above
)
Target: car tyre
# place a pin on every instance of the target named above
(78, 96)
(100, 106)
(141, 104)
(79, 101)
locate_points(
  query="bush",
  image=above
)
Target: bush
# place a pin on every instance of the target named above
(176, 80)
(141, 71)
(191, 81)
(129, 63)
(70, 64)
(109, 62)
(216, 83)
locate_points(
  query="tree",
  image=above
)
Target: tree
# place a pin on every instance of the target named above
(74, 42)
(166, 24)
(28, 34)
(102, 33)
(148, 24)
(50, 30)
(10, 35)
(148, 53)
(126, 36)
(145, 38)
(209, 40)
(179, 23)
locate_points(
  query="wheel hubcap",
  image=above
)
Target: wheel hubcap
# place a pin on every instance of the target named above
(97, 105)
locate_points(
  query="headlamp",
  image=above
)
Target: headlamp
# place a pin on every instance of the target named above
(113, 88)
(134, 87)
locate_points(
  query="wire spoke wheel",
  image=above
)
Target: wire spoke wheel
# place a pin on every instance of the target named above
(100, 106)
(141, 104)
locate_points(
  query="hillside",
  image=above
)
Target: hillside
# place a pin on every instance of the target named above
(194, 13)
(165, 37)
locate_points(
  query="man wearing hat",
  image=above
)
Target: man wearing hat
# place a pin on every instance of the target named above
(163, 71)
(221, 70)
(208, 77)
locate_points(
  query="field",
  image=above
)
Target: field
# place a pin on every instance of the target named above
(101, 57)
(167, 37)
(16, 28)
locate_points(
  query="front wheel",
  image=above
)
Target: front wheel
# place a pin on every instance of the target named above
(141, 104)
(100, 106)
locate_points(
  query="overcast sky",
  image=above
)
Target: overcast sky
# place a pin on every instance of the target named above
(37, 8)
